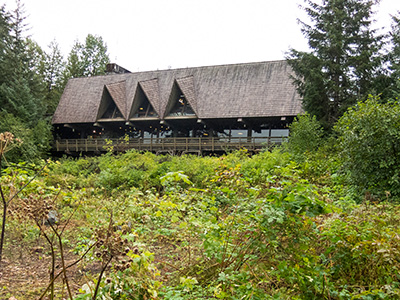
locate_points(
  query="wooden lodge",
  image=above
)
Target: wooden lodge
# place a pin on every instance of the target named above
(196, 110)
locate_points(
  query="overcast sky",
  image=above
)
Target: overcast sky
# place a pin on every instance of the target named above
(159, 34)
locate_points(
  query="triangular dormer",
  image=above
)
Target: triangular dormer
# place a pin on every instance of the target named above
(108, 108)
(117, 93)
(179, 103)
(142, 106)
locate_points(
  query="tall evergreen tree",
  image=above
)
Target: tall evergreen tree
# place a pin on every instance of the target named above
(394, 55)
(344, 58)
(21, 86)
(35, 57)
(5, 38)
(21, 91)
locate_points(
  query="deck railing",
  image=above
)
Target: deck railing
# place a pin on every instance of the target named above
(171, 145)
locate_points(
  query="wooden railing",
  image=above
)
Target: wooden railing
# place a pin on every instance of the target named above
(167, 145)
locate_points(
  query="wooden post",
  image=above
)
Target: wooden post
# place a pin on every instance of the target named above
(249, 134)
(269, 136)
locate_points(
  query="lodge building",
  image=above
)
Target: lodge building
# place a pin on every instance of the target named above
(214, 108)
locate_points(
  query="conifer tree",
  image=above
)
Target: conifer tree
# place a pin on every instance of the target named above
(394, 55)
(5, 38)
(21, 86)
(21, 90)
(344, 59)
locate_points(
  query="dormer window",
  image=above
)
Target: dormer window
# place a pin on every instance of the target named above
(112, 112)
(181, 107)
(142, 108)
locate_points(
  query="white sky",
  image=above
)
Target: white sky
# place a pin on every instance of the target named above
(159, 34)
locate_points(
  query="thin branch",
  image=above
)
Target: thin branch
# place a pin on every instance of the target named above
(3, 225)
(67, 267)
(69, 219)
(53, 259)
(62, 259)
(100, 276)
(109, 232)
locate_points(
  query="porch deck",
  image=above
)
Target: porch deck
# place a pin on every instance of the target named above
(172, 145)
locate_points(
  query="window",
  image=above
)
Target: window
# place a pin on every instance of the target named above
(181, 107)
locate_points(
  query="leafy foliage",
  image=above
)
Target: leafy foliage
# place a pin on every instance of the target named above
(369, 136)
(52, 69)
(88, 59)
(241, 228)
(305, 136)
(36, 139)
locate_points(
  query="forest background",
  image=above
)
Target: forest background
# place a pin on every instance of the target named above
(32, 80)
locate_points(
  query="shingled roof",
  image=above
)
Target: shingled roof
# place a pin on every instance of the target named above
(262, 89)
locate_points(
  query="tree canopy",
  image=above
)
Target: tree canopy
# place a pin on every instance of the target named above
(394, 57)
(345, 57)
(32, 80)
(88, 59)
(21, 87)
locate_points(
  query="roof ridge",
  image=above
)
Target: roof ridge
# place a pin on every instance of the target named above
(183, 68)
(212, 66)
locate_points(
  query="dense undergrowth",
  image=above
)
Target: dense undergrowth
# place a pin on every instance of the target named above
(290, 223)
(230, 227)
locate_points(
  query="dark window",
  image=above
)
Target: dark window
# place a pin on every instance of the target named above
(181, 107)
(112, 112)
(145, 110)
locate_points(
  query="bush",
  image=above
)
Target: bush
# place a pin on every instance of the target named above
(198, 169)
(369, 141)
(305, 136)
(35, 139)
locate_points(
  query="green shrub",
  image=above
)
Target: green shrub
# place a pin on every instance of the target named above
(36, 139)
(305, 136)
(260, 167)
(369, 141)
(198, 169)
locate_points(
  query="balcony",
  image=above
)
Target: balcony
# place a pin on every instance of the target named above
(171, 145)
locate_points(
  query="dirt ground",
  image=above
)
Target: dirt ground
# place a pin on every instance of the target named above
(28, 277)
